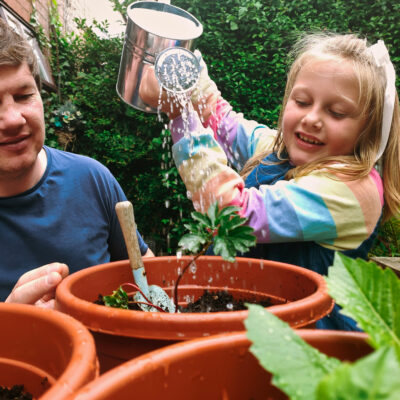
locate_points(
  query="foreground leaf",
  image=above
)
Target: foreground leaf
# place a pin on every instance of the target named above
(370, 295)
(296, 366)
(375, 377)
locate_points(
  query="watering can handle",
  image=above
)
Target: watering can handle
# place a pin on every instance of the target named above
(126, 219)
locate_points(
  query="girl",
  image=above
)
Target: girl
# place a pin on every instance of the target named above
(310, 188)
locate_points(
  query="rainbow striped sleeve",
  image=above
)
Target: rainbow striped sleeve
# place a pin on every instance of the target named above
(239, 138)
(335, 213)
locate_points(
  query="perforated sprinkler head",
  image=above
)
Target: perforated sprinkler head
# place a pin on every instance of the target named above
(177, 69)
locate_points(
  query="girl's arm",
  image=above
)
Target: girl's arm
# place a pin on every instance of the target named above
(239, 138)
(319, 207)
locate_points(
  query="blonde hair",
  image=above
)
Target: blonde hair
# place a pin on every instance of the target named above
(372, 83)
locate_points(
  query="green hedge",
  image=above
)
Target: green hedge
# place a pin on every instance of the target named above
(245, 44)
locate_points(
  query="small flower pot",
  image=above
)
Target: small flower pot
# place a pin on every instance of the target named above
(218, 367)
(48, 352)
(299, 296)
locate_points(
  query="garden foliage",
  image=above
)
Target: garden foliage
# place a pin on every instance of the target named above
(245, 45)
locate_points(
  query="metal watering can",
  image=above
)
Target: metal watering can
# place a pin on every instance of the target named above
(154, 28)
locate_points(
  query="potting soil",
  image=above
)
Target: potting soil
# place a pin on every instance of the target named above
(15, 393)
(208, 302)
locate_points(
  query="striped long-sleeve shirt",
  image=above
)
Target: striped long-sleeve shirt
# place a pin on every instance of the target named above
(338, 214)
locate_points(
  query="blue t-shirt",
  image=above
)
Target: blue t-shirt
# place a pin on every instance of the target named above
(68, 216)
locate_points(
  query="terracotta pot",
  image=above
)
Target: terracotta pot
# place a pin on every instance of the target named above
(48, 352)
(300, 297)
(218, 367)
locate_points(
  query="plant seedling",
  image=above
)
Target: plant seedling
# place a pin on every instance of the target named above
(223, 228)
(366, 293)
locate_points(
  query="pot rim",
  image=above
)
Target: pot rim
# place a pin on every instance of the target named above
(148, 362)
(82, 366)
(185, 326)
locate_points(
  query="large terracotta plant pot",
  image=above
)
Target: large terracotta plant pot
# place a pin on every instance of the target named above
(300, 297)
(218, 367)
(48, 352)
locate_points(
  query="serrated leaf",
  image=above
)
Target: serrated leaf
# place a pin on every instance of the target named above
(192, 227)
(212, 213)
(368, 294)
(246, 231)
(228, 211)
(375, 376)
(224, 248)
(233, 223)
(118, 299)
(192, 242)
(203, 218)
(296, 366)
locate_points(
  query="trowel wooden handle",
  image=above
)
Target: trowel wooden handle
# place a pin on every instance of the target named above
(126, 219)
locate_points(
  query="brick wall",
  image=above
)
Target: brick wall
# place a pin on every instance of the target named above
(24, 9)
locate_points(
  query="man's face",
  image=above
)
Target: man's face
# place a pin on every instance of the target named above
(22, 129)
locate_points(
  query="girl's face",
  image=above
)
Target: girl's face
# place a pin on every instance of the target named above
(322, 117)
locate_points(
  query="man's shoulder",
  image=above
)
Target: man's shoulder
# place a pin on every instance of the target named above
(67, 159)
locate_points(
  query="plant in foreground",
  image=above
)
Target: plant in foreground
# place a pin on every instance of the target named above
(366, 293)
(222, 228)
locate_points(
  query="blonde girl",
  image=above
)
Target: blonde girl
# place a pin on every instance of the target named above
(310, 188)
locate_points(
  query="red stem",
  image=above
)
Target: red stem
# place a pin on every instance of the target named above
(148, 302)
(183, 271)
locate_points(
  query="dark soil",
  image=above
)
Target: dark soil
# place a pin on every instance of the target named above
(15, 393)
(218, 301)
(208, 302)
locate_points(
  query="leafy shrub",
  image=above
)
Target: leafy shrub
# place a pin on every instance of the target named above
(245, 44)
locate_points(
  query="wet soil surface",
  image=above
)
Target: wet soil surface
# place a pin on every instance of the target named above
(208, 302)
(218, 301)
(15, 393)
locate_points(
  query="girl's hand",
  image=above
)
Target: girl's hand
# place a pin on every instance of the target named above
(149, 92)
(38, 286)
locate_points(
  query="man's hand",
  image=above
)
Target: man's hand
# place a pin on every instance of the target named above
(38, 286)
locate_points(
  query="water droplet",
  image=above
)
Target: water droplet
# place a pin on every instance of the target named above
(193, 268)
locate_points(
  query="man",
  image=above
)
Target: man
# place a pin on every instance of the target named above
(55, 207)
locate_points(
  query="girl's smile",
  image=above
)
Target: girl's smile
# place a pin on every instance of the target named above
(322, 117)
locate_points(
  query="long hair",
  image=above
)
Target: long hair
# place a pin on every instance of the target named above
(372, 83)
(15, 50)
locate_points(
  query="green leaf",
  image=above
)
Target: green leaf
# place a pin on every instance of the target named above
(193, 227)
(233, 26)
(231, 223)
(203, 218)
(368, 294)
(296, 366)
(224, 248)
(212, 213)
(118, 299)
(375, 376)
(192, 242)
(228, 211)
